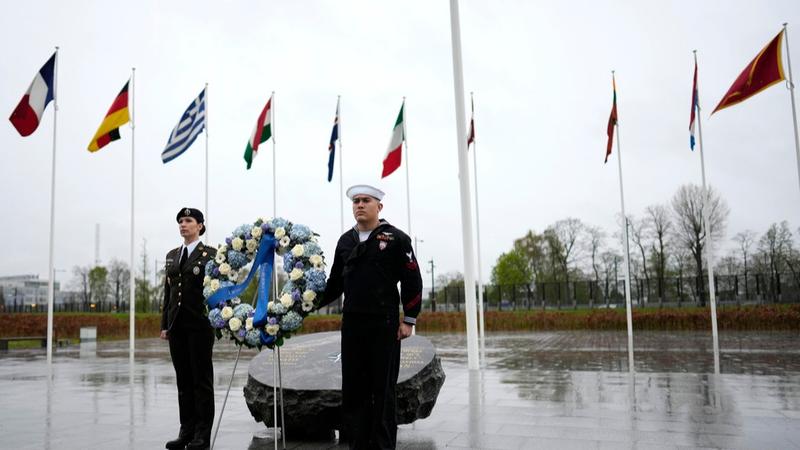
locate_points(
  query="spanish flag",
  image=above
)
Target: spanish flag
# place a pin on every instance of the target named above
(116, 117)
(763, 71)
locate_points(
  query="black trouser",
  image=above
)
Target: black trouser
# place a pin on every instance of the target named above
(370, 364)
(190, 350)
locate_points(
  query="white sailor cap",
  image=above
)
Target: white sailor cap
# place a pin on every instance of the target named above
(365, 189)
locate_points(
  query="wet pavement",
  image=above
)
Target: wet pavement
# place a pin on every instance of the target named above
(537, 390)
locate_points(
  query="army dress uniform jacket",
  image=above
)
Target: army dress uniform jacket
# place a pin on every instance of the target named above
(184, 304)
(368, 272)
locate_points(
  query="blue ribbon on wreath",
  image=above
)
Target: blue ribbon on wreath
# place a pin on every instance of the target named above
(262, 263)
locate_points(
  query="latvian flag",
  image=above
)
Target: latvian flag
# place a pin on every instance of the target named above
(117, 116)
(261, 133)
(394, 154)
(28, 113)
(695, 107)
(192, 123)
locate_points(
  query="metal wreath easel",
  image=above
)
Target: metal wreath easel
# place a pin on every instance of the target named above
(277, 382)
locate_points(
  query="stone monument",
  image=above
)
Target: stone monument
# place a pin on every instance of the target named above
(312, 383)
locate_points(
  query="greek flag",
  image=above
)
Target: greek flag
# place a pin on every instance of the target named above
(191, 124)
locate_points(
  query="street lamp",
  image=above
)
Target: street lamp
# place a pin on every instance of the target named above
(433, 286)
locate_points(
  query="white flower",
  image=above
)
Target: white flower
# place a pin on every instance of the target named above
(252, 245)
(232, 275)
(248, 324)
(214, 285)
(308, 306)
(313, 239)
(223, 248)
(206, 280)
(227, 313)
(286, 300)
(296, 274)
(309, 295)
(220, 258)
(316, 260)
(256, 232)
(225, 268)
(298, 250)
(285, 241)
(234, 324)
(237, 243)
(272, 330)
(280, 232)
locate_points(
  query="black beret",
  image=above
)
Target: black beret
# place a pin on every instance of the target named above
(193, 213)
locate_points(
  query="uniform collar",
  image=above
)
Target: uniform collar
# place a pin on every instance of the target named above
(190, 248)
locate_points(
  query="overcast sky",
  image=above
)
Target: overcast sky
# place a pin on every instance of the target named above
(541, 76)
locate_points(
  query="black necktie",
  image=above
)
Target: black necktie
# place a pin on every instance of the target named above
(184, 257)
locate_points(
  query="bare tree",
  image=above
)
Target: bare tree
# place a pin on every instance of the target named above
(80, 282)
(596, 239)
(688, 206)
(119, 277)
(638, 234)
(744, 240)
(660, 225)
(776, 245)
(563, 240)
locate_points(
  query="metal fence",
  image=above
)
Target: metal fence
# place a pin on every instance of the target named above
(666, 292)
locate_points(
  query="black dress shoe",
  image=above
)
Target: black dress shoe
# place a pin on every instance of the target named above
(198, 443)
(184, 437)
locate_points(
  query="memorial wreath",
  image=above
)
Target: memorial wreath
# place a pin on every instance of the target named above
(251, 249)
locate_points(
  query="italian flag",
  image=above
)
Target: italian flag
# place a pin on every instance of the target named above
(394, 154)
(261, 133)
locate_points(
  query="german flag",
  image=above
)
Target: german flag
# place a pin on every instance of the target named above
(116, 117)
(763, 71)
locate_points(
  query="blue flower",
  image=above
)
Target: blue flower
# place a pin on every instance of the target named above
(298, 265)
(207, 292)
(279, 222)
(242, 311)
(272, 320)
(300, 233)
(215, 318)
(291, 321)
(237, 260)
(311, 248)
(253, 338)
(215, 272)
(265, 227)
(228, 240)
(296, 295)
(209, 267)
(288, 288)
(315, 280)
(242, 332)
(288, 262)
(242, 230)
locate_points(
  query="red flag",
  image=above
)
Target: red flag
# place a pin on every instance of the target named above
(612, 120)
(763, 71)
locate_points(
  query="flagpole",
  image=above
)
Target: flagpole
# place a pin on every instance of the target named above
(274, 185)
(408, 185)
(51, 282)
(628, 315)
(339, 138)
(481, 327)
(464, 190)
(132, 307)
(791, 96)
(206, 133)
(712, 295)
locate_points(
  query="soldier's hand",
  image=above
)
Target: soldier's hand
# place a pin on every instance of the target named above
(404, 331)
(164, 334)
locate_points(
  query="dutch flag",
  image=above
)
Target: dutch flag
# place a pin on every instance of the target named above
(185, 132)
(695, 107)
(28, 113)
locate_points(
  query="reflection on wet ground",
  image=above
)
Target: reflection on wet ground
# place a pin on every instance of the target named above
(537, 390)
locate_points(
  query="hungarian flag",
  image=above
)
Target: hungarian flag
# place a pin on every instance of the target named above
(695, 107)
(612, 120)
(332, 144)
(394, 154)
(763, 71)
(28, 113)
(117, 116)
(261, 133)
(471, 133)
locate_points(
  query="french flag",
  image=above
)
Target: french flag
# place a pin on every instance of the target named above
(29, 111)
